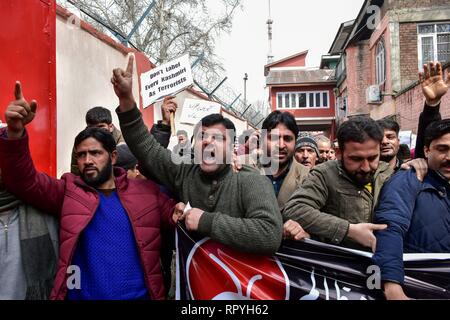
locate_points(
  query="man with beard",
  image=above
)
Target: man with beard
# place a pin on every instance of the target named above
(110, 225)
(417, 213)
(306, 152)
(390, 144)
(278, 163)
(98, 117)
(236, 209)
(336, 202)
(279, 133)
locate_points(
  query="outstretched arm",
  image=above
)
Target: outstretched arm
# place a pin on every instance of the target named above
(156, 161)
(18, 171)
(434, 87)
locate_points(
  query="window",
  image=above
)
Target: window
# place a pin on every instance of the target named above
(311, 100)
(434, 43)
(287, 103)
(341, 67)
(380, 64)
(325, 99)
(318, 102)
(293, 101)
(303, 100)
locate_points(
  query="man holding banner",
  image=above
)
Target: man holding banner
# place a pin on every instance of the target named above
(226, 206)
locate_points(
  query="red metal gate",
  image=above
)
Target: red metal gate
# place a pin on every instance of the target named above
(28, 41)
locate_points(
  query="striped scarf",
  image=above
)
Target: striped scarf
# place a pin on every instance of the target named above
(38, 246)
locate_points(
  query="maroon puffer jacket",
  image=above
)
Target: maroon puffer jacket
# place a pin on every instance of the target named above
(75, 203)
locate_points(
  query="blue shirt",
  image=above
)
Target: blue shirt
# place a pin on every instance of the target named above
(108, 257)
(277, 183)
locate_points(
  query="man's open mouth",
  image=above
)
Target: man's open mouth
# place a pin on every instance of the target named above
(209, 157)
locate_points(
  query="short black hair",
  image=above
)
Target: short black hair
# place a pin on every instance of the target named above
(98, 115)
(243, 138)
(277, 117)
(436, 130)
(125, 159)
(182, 132)
(389, 124)
(102, 136)
(404, 152)
(359, 129)
(214, 119)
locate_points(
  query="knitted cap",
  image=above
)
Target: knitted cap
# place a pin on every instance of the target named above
(307, 142)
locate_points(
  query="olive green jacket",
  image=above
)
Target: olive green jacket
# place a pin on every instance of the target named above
(328, 201)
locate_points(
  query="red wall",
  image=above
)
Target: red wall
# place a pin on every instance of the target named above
(28, 41)
(297, 61)
(307, 112)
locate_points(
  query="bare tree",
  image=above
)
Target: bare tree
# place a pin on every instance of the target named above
(173, 27)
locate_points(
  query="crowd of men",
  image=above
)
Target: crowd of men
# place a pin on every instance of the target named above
(114, 215)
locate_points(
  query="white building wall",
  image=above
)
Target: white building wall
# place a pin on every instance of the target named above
(84, 67)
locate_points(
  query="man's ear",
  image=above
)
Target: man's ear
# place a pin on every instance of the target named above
(338, 154)
(426, 151)
(114, 156)
(111, 127)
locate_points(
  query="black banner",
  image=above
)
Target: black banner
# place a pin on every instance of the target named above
(306, 270)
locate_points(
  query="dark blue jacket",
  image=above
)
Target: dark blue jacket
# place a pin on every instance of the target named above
(418, 219)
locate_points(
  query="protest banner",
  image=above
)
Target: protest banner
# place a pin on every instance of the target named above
(305, 270)
(195, 110)
(165, 80)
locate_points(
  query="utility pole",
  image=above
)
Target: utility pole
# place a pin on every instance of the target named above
(245, 88)
(269, 33)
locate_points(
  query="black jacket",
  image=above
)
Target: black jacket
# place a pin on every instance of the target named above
(428, 116)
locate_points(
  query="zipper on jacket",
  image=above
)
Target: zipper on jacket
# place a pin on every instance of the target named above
(69, 262)
(5, 227)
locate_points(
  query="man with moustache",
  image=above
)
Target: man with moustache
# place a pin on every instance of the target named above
(236, 209)
(417, 213)
(390, 144)
(277, 137)
(418, 204)
(337, 200)
(110, 225)
(279, 132)
(306, 151)
(324, 145)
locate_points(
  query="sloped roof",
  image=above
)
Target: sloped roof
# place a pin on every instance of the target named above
(276, 63)
(276, 77)
(341, 37)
